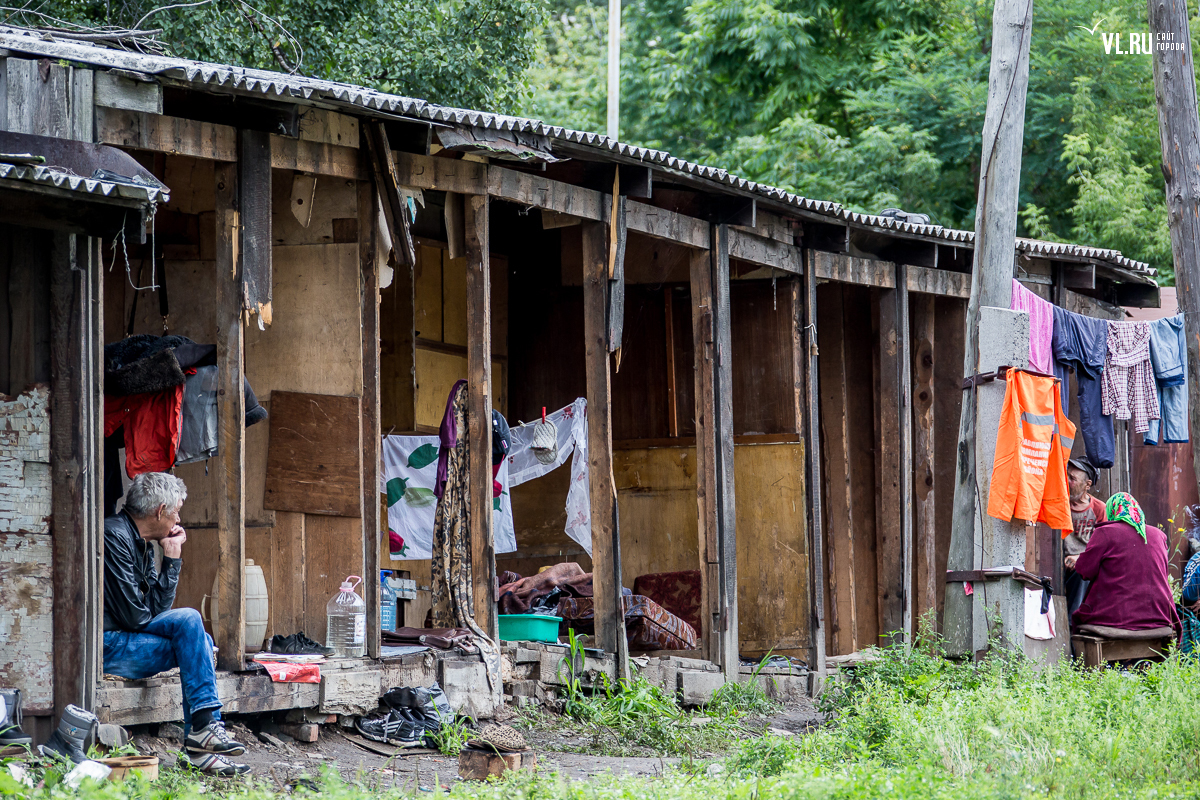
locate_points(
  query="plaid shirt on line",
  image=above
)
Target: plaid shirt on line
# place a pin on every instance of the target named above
(1127, 385)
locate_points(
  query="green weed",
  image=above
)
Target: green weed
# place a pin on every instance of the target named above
(452, 737)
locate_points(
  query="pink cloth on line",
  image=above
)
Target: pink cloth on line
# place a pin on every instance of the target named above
(1041, 327)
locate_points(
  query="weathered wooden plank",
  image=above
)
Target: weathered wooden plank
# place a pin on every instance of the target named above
(443, 174)
(805, 309)
(765, 252)
(371, 427)
(230, 465)
(606, 553)
(140, 131)
(314, 459)
(383, 167)
(118, 91)
(68, 468)
(319, 158)
(479, 410)
(904, 418)
(130, 703)
(723, 424)
(669, 342)
(616, 276)
(851, 269)
(551, 195)
(889, 513)
(254, 190)
(772, 226)
(924, 457)
(660, 223)
(706, 472)
(939, 281)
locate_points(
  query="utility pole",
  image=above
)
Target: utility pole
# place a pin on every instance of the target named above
(995, 337)
(1179, 134)
(614, 69)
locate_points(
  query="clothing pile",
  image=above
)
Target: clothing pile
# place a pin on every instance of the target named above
(1124, 370)
(160, 404)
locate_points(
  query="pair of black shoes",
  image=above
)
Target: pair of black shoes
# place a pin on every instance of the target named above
(298, 644)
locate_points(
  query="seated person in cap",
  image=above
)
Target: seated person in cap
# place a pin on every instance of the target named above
(1126, 562)
(1086, 512)
(143, 636)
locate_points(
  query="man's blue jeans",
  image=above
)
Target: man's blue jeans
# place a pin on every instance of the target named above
(174, 638)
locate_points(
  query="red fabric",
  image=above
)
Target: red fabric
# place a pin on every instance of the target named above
(284, 672)
(1129, 579)
(497, 489)
(677, 592)
(151, 423)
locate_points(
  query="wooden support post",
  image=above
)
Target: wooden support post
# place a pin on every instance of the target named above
(906, 447)
(254, 209)
(890, 463)
(606, 557)
(923, 459)
(723, 392)
(706, 471)
(808, 366)
(69, 467)
(669, 341)
(479, 412)
(93, 665)
(368, 213)
(1179, 135)
(231, 426)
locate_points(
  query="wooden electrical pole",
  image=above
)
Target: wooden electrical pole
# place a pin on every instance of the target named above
(991, 286)
(1179, 134)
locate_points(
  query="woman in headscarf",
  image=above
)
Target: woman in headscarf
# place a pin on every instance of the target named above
(1126, 561)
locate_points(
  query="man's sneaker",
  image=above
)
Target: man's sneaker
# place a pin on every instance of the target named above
(298, 645)
(213, 764)
(213, 739)
(395, 728)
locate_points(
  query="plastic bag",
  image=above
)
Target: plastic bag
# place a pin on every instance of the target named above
(427, 702)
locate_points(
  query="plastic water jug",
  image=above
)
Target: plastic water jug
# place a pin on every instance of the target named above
(346, 615)
(387, 602)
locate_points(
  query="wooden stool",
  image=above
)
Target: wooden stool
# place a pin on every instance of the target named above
(1100, 644)
(478, 765)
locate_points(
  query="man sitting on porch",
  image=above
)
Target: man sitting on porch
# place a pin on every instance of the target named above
(143, 636)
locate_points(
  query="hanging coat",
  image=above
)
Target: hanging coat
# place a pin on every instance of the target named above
(1029, 477)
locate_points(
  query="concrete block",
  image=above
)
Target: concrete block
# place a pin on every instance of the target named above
(783, 688)
(697, 687)
(467, 689)
(661, 672)
(553, 664)
(350, 692)
(525, 655)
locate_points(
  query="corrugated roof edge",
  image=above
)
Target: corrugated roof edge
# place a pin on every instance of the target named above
(73, 183)
(300, 88)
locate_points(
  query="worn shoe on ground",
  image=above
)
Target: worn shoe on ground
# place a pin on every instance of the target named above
(75, 727)
(504, 738)
(395, 728)
(298, 644)
(213, 764)
(213, 739)
(10, 719)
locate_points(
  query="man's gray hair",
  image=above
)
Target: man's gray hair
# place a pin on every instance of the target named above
(153, 489)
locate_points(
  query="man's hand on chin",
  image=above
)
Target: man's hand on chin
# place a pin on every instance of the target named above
(172, 543)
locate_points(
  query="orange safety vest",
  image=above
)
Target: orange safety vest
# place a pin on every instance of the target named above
(1029, 477)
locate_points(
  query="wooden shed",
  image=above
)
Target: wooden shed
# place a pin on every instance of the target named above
(772, 382)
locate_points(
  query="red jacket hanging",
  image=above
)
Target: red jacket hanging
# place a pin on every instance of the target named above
(151, 423)
(1029, 477)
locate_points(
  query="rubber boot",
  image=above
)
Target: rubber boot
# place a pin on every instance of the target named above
(74, 729)
(10, 719)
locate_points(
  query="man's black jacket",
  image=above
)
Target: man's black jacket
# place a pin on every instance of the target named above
(134, 591)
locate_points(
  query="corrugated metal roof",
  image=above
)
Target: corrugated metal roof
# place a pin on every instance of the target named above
(48, 176)
(357, 98)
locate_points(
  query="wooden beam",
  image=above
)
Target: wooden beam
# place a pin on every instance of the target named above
(904, 417)
(387, 184)
(442, 174)
(93, 665)
(550, 195)
(723, 391)
(851, 269)
(706, 471)
(479, 411)
(889, 464)
(254, 191)
(230, 466)
(69, 468)
(765, 252)
(925, 596)
(368, 259)
(606, 554)
(669, 341)
(659, 223)
(318, 158)
(808, 359)
(939, 281)
(117, 91)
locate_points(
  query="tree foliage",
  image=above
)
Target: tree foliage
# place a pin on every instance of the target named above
(468, 53)
(879, 103)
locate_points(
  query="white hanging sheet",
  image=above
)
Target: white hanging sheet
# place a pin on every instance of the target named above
(408, 474)
(571, 426)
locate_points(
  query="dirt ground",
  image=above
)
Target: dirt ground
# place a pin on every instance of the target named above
(279, 759)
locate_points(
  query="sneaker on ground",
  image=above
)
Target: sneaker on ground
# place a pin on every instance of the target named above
(298, 644)
(213, 764)
(214, 739)
(13, 735)
(394, 728)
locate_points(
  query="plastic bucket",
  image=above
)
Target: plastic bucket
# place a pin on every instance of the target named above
(529, 628)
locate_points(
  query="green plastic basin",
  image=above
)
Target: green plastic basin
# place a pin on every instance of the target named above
(529, 628)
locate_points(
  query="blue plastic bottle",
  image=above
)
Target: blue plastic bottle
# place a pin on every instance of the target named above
(387, 602)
